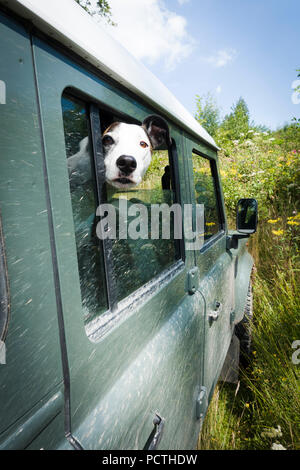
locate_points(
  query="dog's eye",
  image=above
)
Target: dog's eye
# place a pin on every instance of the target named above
(107, 140)
(143, 144)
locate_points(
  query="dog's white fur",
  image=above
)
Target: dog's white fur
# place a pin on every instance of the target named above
(130, 140)
(127, 141)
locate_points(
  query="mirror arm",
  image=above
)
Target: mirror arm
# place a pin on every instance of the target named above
(232, 241)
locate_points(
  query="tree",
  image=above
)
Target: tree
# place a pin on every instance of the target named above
(102, 9)
(237, 123)
(208, 113)
(297, 88)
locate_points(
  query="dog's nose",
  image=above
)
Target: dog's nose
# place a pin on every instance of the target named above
(126, 164)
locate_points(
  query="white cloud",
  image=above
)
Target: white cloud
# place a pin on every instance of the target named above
(219, 89)
(222, 57)
(151, 32)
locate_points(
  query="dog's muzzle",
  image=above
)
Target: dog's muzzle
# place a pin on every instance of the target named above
(126, 164)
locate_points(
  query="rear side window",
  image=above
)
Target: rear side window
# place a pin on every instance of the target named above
(4, 293)
(206, 194)
(111, 270)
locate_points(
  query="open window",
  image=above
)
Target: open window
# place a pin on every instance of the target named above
(112, 269)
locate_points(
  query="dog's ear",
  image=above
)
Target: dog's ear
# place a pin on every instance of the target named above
(158, 132)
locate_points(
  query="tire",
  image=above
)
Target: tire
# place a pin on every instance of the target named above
(243, 330)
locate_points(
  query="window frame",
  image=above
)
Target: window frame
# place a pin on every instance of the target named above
(115, 307)
(4, 288)
(218, 196)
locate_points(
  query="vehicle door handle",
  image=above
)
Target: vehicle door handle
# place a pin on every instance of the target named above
(214, 314)
(156, 435)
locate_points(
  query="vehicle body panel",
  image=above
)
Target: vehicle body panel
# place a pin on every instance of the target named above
(33, 362)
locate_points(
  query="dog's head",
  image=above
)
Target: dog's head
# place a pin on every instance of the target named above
(128, 147)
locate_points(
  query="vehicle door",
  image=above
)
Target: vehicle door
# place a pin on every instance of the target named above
(214, 261)
(134, 333)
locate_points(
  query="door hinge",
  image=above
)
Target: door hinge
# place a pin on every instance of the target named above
(193, 280)
(201, 403)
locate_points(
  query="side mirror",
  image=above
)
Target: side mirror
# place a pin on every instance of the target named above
(246, 216)
(246, 222)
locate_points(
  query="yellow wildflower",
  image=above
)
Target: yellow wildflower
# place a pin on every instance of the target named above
(273, 221)
(293, 222)
(277, 232)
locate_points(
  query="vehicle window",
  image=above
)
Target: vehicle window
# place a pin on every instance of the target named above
(84, 204)
(129, 262)
(4, 298)
(205, 193)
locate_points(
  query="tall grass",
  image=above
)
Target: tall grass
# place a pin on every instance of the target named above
(263, 409)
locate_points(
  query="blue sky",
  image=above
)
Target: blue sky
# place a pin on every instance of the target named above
(231, 48)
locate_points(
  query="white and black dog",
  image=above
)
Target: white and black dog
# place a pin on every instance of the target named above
(127, 152)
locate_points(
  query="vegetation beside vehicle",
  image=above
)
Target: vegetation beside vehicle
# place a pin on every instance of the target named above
(263, 410)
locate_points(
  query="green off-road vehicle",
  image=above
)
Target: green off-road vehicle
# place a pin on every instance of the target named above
(106, 344)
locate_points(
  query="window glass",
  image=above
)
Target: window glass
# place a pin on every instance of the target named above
(84, 205)
(128, 262)
(138, 261)
(205, 193)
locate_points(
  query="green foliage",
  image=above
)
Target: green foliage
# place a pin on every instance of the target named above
(265, 166)
(298, 87)
(208, 113)
(237, 123)
(254, 161)
(235, 126)
(159, 161)
(102, 9)
(264, 409)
